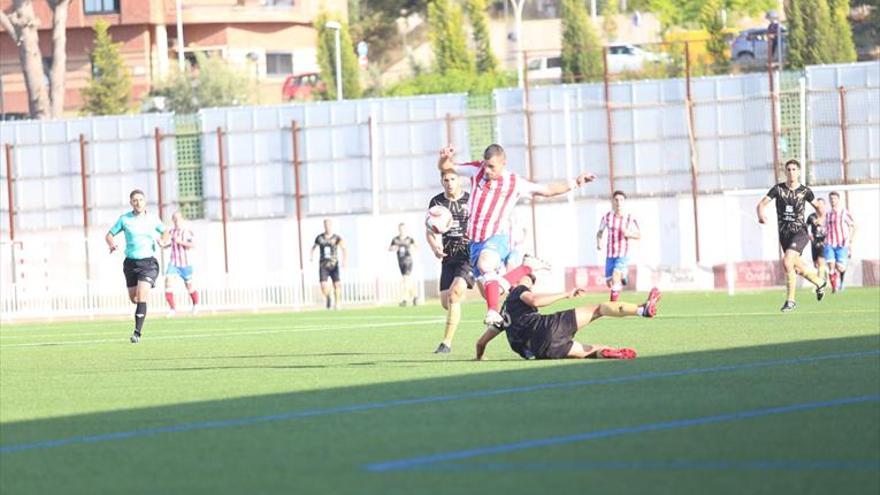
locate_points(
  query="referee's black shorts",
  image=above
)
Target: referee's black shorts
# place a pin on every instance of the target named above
(140, 270)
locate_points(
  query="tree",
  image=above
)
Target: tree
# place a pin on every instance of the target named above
(842, 47)
(710, 19)
(581, 51)
(609, 22)
(23, 25)
(686, 13)
(446, 32)
(476, 12)
(351, 85)
(211, 83)
(809, 32)
(109, 90)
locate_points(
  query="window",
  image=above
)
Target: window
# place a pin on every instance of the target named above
(554, 62)
(279, 64)
(101, 6)
(277, 2)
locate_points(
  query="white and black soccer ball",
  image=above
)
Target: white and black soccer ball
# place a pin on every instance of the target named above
(439, 219)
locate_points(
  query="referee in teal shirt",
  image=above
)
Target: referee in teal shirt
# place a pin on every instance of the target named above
(140, 266)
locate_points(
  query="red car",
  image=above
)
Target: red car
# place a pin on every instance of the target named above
(302, 86)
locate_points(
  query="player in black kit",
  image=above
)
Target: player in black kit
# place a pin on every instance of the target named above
(536, 336)
(329, 245)
(818, 230)
(404, 245)
(456, 274)
(791, 197)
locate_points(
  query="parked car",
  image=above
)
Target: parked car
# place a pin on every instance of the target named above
(302, 86)
(623, 58)
(545, 69)
(750, 46)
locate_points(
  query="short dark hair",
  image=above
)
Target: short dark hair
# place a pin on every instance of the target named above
(834, 193)
(793, 161)
(531, 277)
(493, 150)
(820, 199)
(618, 193)
(136, 191)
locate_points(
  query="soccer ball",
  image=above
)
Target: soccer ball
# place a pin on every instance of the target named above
(439, 219)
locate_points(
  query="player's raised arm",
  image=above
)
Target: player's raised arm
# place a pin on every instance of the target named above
(484, 340)
(555, 189)
(445, 163)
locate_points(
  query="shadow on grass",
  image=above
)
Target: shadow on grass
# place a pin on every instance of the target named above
(317, 441)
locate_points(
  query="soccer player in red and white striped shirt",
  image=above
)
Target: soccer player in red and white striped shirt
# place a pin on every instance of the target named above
(494, 192)
(841, 230)
(180, 242)
(622, 228)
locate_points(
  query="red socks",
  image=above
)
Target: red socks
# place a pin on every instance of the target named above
(169, 296)
(517, 273)
(493, 294)
(194, 295)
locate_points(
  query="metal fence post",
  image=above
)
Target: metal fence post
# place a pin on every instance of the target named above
(85, 201)
(844, 151)
(609, 121)
(10, 191)
(157, 136)
(222, 166)
(294, 136)
(774, 124)
(530, 167)
(692, 141)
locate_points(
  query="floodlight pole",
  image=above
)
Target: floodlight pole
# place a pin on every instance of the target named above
(517, 17)
(180, 61)
(336, 27)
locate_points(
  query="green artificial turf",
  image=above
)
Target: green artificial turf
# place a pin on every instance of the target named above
(318, 402)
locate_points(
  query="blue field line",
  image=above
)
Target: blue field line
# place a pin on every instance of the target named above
(309, 413)
(662, 465)
(403, 464)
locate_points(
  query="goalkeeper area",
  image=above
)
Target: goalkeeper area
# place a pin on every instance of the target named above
(727, 396)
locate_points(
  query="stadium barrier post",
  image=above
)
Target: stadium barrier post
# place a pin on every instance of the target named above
(157, 137)
(774, 125)
(222, 166)
(609, 123)
(530, 169)
(692, 142)
(83, 163)
(844, 151)
(449, 130)
(297, 192)
(10, 195)
(10, 191)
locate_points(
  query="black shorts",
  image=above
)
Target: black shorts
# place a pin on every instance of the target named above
(553, 335)
(328, 271)
(818, 251)
(405, 265)
(797, 240)
(458, 266)
(146, 270)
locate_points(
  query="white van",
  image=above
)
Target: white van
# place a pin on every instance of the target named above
(545, 69)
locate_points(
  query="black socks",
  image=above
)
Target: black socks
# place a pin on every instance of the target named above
(140, 314)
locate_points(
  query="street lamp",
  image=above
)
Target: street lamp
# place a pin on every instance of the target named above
(336, 27)
(255, 58)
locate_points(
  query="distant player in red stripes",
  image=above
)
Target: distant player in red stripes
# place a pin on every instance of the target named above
(841, 230)
(622, 228)
(180, 265)
(494, 192)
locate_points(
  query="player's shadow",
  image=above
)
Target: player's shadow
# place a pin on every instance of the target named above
(318, 440)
